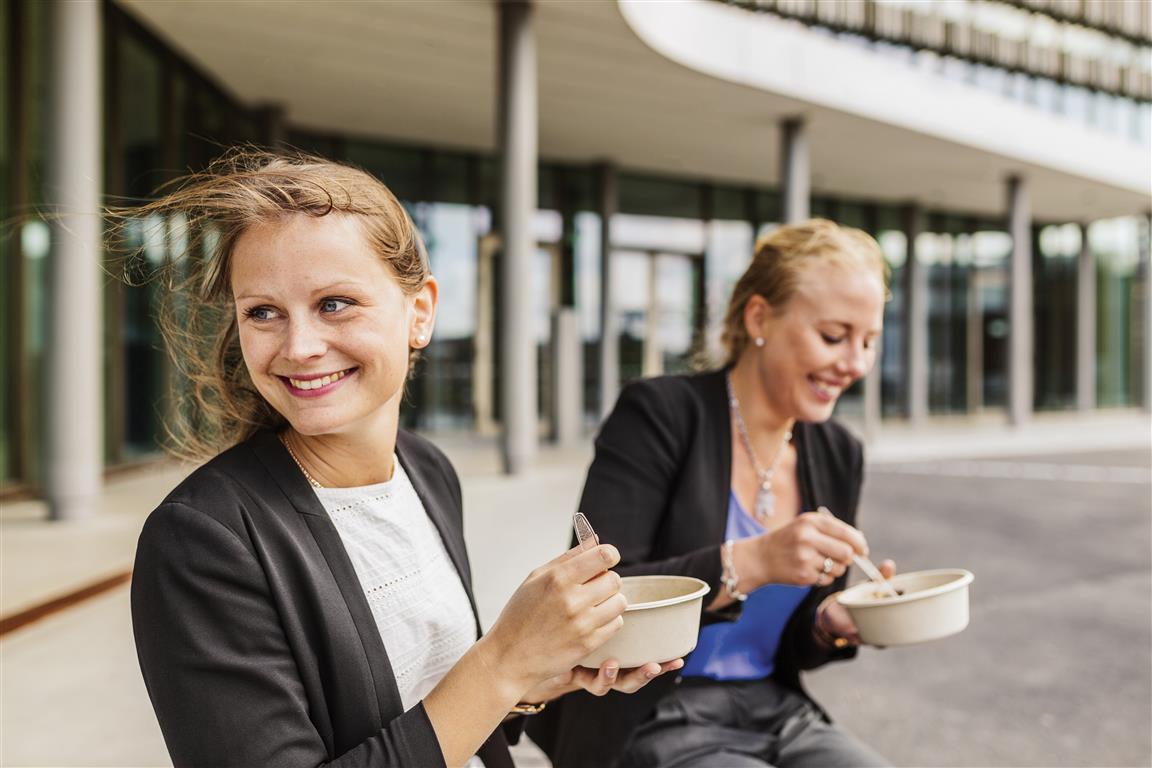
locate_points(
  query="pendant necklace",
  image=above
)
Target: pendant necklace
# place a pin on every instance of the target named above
(765, 500)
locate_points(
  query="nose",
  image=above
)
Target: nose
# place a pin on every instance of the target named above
(857, 360)
(304, 341)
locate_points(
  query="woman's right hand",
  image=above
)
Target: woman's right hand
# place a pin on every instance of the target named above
(795, 553)
(563, 610)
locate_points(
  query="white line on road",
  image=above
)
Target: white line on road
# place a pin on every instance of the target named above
(1017, 470)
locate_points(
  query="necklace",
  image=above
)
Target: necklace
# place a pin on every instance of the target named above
(311, 480)
(765, 501)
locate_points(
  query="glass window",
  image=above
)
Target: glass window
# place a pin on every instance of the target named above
(893, 350)
(1054, 309)
(1115, 244)
(658, 197)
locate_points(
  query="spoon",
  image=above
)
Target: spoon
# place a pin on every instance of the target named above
(866, 565)
(586, 538)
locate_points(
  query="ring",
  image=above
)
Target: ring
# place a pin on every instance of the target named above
(827, 568)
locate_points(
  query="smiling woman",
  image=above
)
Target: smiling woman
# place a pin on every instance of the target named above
(714, 476)
(304, 597)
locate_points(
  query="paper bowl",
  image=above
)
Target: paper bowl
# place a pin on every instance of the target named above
(660, 624)
(934, 605)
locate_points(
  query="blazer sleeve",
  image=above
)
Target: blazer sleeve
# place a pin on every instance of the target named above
(217, 663)
(639, 453)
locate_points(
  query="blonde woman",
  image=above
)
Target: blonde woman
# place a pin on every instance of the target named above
(716, 475)
(304, 597)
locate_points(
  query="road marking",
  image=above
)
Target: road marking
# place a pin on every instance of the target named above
(1020, 470)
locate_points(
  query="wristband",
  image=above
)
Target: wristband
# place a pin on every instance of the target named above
(728, 575)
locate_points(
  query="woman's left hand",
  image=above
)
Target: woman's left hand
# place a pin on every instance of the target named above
(599, 681)
(833, 619)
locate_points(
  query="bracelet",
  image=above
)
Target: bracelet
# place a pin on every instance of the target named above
(527, 709)
(728, 575)
(822, 634)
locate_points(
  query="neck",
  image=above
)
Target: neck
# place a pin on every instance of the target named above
(756, 408)
(346, 460)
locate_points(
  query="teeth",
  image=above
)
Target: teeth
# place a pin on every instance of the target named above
(323, 381)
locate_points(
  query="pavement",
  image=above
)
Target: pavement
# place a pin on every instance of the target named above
(1054, 518)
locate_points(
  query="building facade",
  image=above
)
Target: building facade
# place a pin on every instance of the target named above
(999, 150)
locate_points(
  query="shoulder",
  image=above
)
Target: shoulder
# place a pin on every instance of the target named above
(673, 395)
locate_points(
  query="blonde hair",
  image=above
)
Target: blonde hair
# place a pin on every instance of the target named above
(216, 403)
(781, 256)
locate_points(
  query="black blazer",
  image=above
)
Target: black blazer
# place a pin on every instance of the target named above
(658, 490)
(257, 644)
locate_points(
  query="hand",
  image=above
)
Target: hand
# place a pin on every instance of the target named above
(598, 682)
(833, 619)
(562, 611)
(796, 552)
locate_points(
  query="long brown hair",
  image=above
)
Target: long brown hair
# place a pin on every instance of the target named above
(779, 258)
(216, 403)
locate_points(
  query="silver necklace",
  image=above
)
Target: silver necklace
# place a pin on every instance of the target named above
(765, 500)
(311, 480)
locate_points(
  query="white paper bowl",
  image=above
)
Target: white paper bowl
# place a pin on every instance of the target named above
(934, 605)
(660, 624)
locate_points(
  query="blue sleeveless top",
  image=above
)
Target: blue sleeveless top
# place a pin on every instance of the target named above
(745, 649)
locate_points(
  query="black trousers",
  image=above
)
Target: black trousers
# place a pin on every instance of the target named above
(752, 724)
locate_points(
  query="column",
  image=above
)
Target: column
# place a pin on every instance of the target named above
(795, 171)
(73, 459)
(1020, 323)
(1146, 268)
(517, 131)
(609, 330)
(915, 321)
(271, 126)
(1085, 325)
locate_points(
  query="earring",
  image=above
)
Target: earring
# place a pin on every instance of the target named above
(421, 338)
(759, 341)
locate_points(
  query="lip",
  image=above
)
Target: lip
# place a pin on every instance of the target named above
(818, 389)
(347, 373)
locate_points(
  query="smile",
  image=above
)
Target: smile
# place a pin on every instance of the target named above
(315, 384)
(824, 390)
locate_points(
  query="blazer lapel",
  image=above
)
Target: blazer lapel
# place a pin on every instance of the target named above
(435, 495)
(299, 494)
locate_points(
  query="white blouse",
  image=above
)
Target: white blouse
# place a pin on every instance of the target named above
(414, 591)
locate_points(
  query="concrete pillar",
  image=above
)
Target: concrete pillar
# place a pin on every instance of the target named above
(915, 321)
(609, 325)
(795, 171)
(1085, 325)
(73, 458)
(652, 362)
(871, 394)
(1146, 268)
(1020, 324)
(272, 126)
(567, 376)
(517, 117)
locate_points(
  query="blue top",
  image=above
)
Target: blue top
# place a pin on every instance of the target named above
(745, 649)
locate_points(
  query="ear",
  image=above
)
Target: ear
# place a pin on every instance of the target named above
(757, 313)
(423, 314)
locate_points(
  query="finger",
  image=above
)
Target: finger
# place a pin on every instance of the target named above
(887, 568)
(606, 612)
(582, 566)
(832, 526)
(837, 549)
(599, 588)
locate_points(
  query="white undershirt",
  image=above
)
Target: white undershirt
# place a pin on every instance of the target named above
(414, 591)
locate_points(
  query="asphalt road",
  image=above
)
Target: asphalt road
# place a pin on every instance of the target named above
(1055, 668)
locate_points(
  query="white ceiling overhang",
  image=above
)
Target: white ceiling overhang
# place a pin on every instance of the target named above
(616, 83)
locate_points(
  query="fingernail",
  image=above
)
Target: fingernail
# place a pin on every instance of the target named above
(610, 673)
(649, 675)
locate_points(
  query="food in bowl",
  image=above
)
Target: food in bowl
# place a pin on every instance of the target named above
(661, 622)
(929, 605)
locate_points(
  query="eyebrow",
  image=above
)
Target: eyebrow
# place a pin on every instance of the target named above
(331, 288)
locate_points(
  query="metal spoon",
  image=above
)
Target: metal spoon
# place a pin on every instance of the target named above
(866, 565)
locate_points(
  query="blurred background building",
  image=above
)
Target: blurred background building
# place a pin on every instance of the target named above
(999, 150)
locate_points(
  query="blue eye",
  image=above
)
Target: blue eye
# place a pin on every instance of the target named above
(260, 313)
(334, 305)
